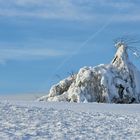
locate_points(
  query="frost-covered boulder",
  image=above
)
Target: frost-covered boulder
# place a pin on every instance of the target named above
(117, 82)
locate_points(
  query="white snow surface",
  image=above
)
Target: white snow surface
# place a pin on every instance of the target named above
(117, 82)
(30, 120)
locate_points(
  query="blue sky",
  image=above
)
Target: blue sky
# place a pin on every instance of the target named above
(42, 41)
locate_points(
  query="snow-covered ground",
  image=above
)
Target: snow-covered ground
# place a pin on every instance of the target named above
(29, 120)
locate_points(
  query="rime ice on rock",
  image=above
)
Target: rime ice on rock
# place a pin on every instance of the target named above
(117, 82)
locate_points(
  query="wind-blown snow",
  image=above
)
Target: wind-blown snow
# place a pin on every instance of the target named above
(117, 82)
(68, 121)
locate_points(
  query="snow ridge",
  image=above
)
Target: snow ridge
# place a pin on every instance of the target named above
(117, 82)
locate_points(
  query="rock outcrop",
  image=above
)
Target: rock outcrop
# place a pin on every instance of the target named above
(117, 82)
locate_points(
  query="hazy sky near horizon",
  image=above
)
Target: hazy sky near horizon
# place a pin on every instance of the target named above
(43, 41)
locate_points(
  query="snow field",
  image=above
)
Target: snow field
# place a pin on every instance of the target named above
(65, 121)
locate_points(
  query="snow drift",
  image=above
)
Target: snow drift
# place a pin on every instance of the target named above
(117, 82)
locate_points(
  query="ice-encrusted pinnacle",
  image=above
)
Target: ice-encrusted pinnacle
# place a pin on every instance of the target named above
(121, 58)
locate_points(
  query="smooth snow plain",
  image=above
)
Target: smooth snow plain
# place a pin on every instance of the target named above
(31, 120)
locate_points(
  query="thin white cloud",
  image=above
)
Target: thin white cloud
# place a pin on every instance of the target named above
(7, 54)
(119, 4)
(127, 17)
(50, 9)
(84, 10)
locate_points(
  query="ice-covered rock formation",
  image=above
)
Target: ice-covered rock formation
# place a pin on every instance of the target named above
(117, 82)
